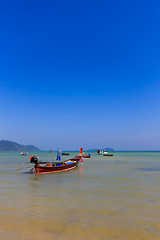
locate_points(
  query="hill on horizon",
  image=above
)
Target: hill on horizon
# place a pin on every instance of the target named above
(6, 145)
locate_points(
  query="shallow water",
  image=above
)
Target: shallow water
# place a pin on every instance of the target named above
(104, 198)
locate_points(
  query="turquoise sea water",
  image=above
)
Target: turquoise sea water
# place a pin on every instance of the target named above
(104, 198)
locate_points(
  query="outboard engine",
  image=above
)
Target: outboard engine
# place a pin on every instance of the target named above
(34, 159)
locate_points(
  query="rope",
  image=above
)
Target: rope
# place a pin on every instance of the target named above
(22, 168)
(10, 171)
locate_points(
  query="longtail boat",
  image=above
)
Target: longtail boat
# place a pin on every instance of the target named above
(24, 154)
(105, 153)
(41, 167)
(86, 155)
(99, 152)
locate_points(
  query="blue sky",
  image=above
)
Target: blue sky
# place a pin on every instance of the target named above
(83, 73)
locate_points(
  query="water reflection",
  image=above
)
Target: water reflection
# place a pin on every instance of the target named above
(149, 169)
(81, 170)
(101, 199)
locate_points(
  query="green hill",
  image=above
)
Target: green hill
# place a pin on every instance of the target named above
(13, 146)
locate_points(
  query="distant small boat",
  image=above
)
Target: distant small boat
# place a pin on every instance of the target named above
(99, 152)
(86, 155)
(105, 153)
(22, 153)
(64, 153)
(41, 167)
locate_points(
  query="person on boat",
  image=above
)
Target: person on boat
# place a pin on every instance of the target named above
(58, 155)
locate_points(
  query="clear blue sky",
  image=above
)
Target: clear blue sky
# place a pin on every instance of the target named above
(80, 73)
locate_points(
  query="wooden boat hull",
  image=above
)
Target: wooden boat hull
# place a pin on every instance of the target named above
(56, 166)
